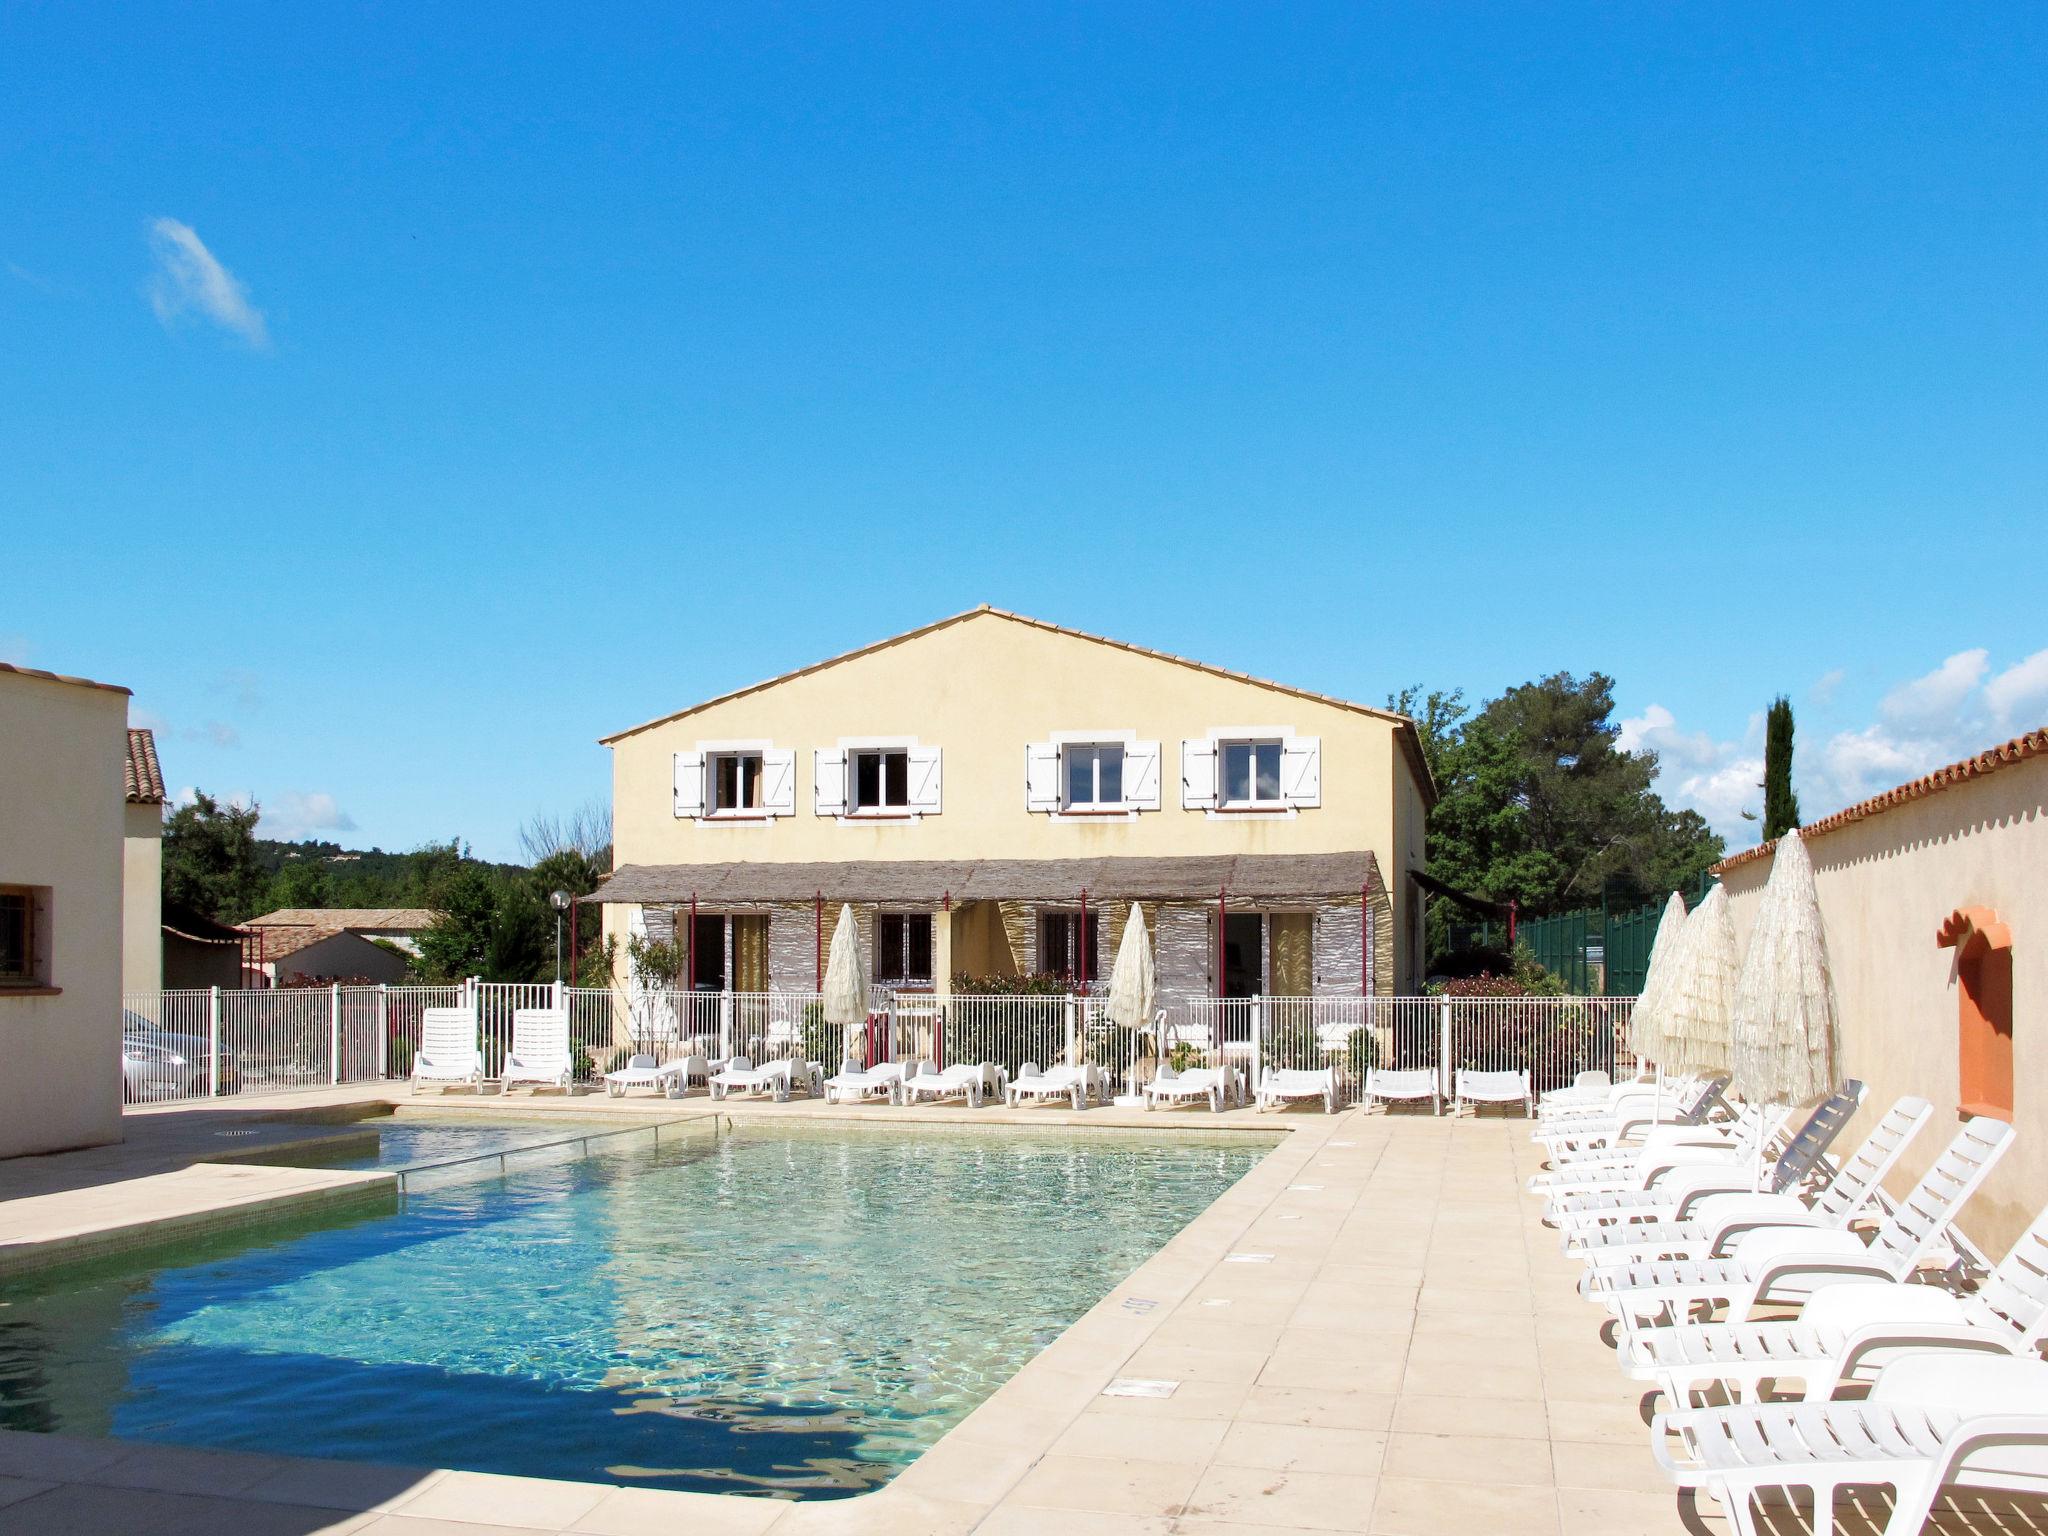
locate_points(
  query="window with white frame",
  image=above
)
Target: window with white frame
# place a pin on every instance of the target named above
(881, 779)
(1092, 776)
(735, 782)
(1250, 772)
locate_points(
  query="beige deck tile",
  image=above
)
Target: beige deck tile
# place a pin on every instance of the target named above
(529, 1503)
(657, 1512)
(1260, 1497)
(970, 1472)
(1190, 1400)
(1317, 1409)
(342, 1484)
(1175, 1362)
(1603, 1512)
(1333, 1375)
(1340, 1347)
(1619, 1468)
(1608, 1422)
(1184, 1441)
(1025, 1521)
(1299, 1448)
(899, 1513)
(1508, 1418)
(66, 1458)
(88, 1509)
(1154, 1488)
(1408, 1507)
(15, 1489)
(1462, 1299)
(185, 1469)
(1456, 1351)
(1216, 1328)
(1452, 1380)
(1468, 1459)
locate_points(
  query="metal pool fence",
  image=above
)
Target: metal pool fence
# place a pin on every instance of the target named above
(206, 1042)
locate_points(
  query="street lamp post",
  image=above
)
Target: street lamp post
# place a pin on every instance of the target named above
(560, 901)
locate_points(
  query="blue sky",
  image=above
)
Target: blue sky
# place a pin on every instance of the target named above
(398, 400)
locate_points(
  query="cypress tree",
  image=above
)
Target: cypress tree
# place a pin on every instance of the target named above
(1781, 806)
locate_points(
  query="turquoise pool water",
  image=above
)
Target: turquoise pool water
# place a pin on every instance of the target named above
(786, 1311)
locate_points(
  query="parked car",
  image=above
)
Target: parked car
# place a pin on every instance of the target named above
(158, 1063)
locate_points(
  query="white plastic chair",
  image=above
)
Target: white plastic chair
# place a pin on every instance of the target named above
(1791, 1263)
(1287, 1085)
(1470, 1089)
(974, 1082)
(540, 1050)
(1845, 1332)
(855, 1082)
(1208, 1085)
(674, 1077)
(780, 1078)
(1075, 1085)
(1931, 1421)
(448, 1050)
(1394, 1085)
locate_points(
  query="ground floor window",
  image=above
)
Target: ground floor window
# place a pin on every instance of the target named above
(17, 934)
(903, 947)
(1061, 947)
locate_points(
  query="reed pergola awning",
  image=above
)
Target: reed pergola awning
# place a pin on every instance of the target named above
(929, 882)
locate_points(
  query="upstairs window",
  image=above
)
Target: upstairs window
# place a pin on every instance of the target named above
(24, 936)
(17, 936)
(881, 780)
(1094, 777)
(735, 781)
(1251, 772)
(903, 948)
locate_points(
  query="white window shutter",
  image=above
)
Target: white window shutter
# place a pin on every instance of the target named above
(778, 782)
(829, 782)
(1141, 775)
(689, 783)
(1301, 770)
(924, 780)
(1198, 775)
(1041, 776)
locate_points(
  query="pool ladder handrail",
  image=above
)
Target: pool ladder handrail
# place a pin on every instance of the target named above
(584, 1139)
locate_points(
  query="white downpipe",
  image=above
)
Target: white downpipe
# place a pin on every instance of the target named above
(383, 1031)
(1443, 1044)
(333, 1034)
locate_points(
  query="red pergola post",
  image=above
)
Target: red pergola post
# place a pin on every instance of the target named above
(818, 911)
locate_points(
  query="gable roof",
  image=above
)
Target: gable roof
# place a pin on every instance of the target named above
(59, 677)
(337, 918)
(142, 779)
(1411, 744)
(2018, 750)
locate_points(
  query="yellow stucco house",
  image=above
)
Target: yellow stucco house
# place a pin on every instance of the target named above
(991, 793)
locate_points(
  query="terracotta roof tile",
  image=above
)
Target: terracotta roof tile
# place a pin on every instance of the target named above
(2018, 750)
(337, 918)
(142, 778)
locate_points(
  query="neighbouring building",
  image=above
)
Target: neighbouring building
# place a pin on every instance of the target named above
(62, 745)
(991, 794)
(335, 943)
(142, 867)
(199, 952)
(1935, 900)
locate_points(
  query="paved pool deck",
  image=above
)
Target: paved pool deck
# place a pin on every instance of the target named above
(1370, 1332)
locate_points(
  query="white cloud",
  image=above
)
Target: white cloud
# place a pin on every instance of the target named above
(1931, 702)
(2019, 695)
(190, 279)
(298, 814)
(1825, 687)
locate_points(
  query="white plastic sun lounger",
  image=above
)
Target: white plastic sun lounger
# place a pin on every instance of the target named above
(1470, 1089)
(1713, 1221)
(974, 1082)
(1385, 1085)
(858, 1083)
(1638, 1108)
(540, 1050)
(776, 1077)
(1662, 1147)
(448, 1050)
(1669, 1194)
(674, 1077)
(1846, 1332)
(1931, 1421)
(1787, 1264)
(1288, 1085)
(1208, 1085)
(1076, 1085)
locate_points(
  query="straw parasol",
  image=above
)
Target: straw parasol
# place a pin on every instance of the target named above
(846, 989)
(1648, 1022)
(1133, 984)
(1701, 988)
(1783, 1038)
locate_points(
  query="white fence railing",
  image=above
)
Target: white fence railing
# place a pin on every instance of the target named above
(201, 1043)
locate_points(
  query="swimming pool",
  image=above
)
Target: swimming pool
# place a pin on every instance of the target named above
(791, 1310)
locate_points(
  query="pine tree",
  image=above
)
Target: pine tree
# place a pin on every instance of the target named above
(1781, 806)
